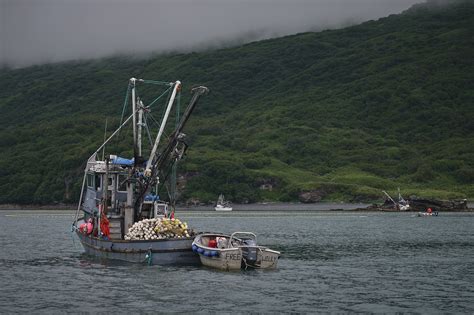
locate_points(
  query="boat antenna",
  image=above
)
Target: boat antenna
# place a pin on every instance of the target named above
(105, 138)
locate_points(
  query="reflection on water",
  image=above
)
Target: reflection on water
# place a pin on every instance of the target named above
(331, 262)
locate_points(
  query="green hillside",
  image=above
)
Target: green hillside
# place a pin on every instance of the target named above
(343, 113)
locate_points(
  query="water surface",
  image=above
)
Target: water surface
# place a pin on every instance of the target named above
(331, 262)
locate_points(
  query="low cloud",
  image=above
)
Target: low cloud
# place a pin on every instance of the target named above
(39, 31)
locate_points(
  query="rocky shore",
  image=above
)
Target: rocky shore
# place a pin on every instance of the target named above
(418, 205)
(421, 205)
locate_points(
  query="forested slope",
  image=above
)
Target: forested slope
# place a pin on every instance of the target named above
(344, 113)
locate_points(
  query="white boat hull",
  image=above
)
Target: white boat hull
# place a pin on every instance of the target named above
(228, 259)
(236, 257)
(223, 208)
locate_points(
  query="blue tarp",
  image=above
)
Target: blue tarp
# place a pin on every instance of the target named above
(123, 161)
(150, 197)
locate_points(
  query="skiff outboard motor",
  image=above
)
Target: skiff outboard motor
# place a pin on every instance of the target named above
(249, 253)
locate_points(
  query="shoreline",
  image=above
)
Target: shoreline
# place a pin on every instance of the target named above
(38, 207)
(264, 207)
(270, 206)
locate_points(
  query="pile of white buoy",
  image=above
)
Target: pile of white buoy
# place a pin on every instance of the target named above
(158, 228)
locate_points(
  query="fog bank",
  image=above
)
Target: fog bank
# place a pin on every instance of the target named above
(39, 31)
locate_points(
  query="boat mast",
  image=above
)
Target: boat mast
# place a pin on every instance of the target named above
(170, 153)
(149, 163)
(386, 194)
(173, 191)
(134, 111)
(139, 125)
(105, 187)
(177, 136)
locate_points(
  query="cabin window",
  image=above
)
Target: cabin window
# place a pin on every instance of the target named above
(97, 182)
(90, 180)
(109, 199)
(122, 183)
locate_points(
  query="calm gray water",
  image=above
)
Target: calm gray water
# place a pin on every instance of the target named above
(332, 262)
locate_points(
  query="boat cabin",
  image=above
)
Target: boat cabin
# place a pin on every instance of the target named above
(111, 180)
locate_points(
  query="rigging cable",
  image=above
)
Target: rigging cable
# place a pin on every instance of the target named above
(125, 102)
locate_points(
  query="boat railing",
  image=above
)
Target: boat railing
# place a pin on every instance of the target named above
(233, 236)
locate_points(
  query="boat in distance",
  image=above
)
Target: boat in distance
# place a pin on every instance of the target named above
(222, 204)
(428, 213)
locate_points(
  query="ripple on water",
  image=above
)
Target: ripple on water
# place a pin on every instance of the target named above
(383, 263)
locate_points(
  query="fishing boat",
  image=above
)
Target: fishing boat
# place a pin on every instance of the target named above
(401, 204)
(222, 204)
(428, 213)
(119, 196)
(234, 252)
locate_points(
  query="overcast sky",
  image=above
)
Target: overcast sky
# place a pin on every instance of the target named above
(38, 31)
